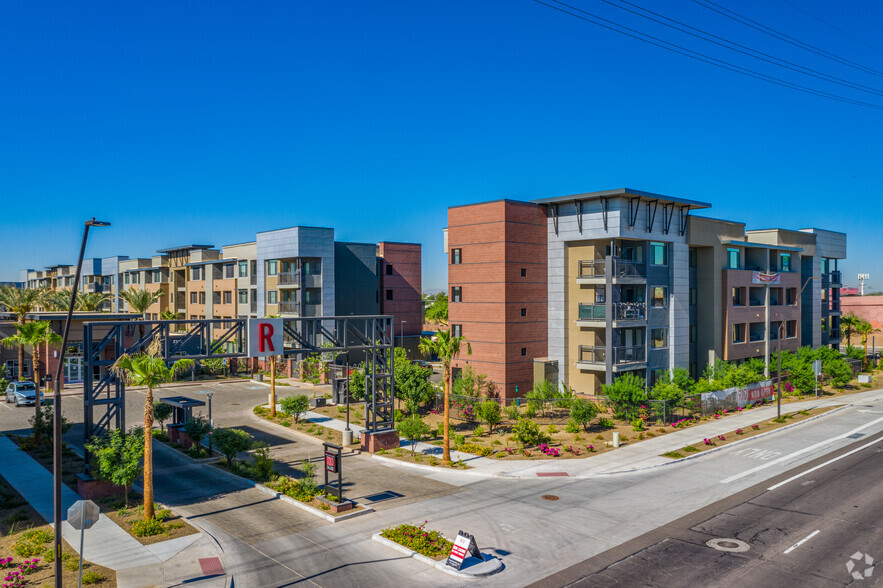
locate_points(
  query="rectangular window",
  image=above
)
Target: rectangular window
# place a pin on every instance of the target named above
(216, 297)
(456, 256)
(126, 275)
(202, 297)
(228, 297)
(692, 296)
(658, 296)
(271, 297)
(739, 333)
(790, 329)
(738, 297)
(193, 297)
(600, 294)
(243, 297)
(389, 269)
(658, 338)
(790, 295)
(657, 253)
(389, 294)
(785, 262)
(157, 276)
(692, 333)
(523, 312)
(136, 278)
(196, 273)
(456, 294)
(243, 269)
(272, 267)
(456, 330)
(523, 272)
(693, 257)
(229, 268)
(732, 258)
(523, 351)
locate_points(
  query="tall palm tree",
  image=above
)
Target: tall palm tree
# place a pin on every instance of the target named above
(847, 325)
(864, 328)
(447, 348)
(56, 299)
(148, 369)
(20, 302)
(92, 301)
(140, 300)
(34, 334)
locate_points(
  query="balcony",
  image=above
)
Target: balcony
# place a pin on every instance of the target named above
(290, 279)
(834, 279)
(594, 271)
(592, 312)
(834, 335)
(834, 307)
(289, 307)
(623, 358)
(595, 315)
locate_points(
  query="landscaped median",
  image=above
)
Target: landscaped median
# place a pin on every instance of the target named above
(748, 431)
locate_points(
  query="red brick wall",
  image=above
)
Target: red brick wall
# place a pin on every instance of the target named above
(405, 282)
(498, 240)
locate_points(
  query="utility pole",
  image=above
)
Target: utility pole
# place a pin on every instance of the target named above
(861, 279)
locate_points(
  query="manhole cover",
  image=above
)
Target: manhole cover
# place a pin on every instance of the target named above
(549, 497)
(733, 545)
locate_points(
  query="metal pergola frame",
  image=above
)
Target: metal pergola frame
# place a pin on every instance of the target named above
(226, 338)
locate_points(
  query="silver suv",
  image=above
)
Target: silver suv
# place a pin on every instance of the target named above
(22, 393)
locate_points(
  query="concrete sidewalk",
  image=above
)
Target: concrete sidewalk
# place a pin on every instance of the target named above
(165, 563)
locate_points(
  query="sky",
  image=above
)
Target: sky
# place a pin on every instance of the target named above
(197, 122)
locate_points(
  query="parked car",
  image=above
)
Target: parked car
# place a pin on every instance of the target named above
(22, 393)
(424, 364)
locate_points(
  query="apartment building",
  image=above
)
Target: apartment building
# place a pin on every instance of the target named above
(97, 275)
(580, 289)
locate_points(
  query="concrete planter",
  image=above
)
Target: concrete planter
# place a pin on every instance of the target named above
(91, 489)
(470, 569)
(337, 506)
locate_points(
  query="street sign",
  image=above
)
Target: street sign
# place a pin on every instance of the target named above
(464, 545)
(265, 337)
(83, 514)
(817, 367)
(331, 462)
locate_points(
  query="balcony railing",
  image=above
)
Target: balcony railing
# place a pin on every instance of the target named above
(620, 268)
(755, 337)
(834, 335)
(630, 311)
(289, 307)
(290, 278)
(621, 355)
(592, 312)
(834, 277)
(835, 306)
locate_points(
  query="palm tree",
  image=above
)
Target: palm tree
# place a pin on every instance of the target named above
(20, 302)
(35, 334)
(57, 299)
(447, 348)
(168, 315)
(848, 323)
(92, 301)
(864, 328)
(148, 369)
(140, 300)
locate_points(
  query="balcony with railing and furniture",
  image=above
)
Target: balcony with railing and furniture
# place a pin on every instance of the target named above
(595, 357)
(593, 271)
(289, 279)
(592, 312)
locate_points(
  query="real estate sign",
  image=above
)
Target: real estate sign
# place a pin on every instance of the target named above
(264, 337)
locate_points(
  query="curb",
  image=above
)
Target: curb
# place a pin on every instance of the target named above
(298, 434)
(428, 468)
(310, 509)
(439, 565)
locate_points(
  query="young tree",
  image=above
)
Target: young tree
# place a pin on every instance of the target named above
(625, 394)
(583, 412)
(446, 348)
(140, 300)
(413, 429)
(232, 441)
(295, 406)
(412, 382)
(35, 334)
(117, 457)
(197, 428)
(437, 312)
(490, 413)
(148, 369)
(162, 412)
(864, 328)
(20, 302)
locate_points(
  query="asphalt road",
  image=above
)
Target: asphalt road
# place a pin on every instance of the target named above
(800, 528)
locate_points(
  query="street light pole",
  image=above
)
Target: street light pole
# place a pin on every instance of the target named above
(56, 404)
(779, 348)
(402, 334)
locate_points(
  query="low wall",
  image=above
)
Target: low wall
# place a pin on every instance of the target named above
(733, 398)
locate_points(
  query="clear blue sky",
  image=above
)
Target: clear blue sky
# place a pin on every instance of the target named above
(206, 122)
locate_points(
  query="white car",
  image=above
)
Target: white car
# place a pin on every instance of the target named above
(22, 393)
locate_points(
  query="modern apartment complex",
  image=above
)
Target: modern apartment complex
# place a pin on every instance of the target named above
(580, 289)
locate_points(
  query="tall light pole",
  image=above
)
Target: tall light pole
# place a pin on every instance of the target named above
(56, 404)
(402, 334)
(781, 335)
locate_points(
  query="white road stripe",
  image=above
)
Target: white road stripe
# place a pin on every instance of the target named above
(801, 542)
(830, 461)
(799, 452)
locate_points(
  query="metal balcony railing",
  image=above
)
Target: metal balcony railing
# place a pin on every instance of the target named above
(592, 354)
(621, 355)
(289, 307)
(290, 278)
(630, 311)
(592, 312)
(834, 335)
(834, 277)
(620, 268)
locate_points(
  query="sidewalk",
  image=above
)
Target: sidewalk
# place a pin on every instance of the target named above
(629, 457)
(165, 563)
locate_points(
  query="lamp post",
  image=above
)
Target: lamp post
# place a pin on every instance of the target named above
(211, 423)
(402, 333)
(56, 403)
(781, 335)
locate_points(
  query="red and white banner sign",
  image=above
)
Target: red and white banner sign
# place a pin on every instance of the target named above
(264, 337)
(764, 278)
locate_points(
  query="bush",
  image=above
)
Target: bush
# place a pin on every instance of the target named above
(427, 543)
(162, 412)
(527, 432)
(117, 457)
(605, 423)
(490, 413)
(583, 411)
(148, 528)
(295, 406)
(262, 468)
(476, 449)
(572, 426)
(160, 435)
(478, 431)
(459, 440)
(232, 441)
(31, 543)
(197, 428)
(413, 429)
(43, 427)
(637, 424)
(92, 578)
(293, 489)
(512, 413)
(625, 395)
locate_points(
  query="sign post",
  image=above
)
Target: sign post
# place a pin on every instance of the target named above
(81, 516)
(265, 340)
(464, 545)
(817, 371)
(333, 464)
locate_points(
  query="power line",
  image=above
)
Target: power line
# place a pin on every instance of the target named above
(824, 22)
(783, 37)
(650, 39)
(733, 46)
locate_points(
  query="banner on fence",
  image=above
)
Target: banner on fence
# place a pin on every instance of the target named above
(764, 277)
(732, 398)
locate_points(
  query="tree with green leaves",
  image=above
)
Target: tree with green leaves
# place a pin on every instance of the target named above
(625, 394)
(140, 300)
(864, 328)
(117, 457)
(148, 369)
(583, 412)
(490, 413)
(232, 441)
(92, 301)
(21, 302)
(413, 429)
(162, 412)
(295, 406)
(437, 311)
(412, 383)
(447, 348)
(34, 334)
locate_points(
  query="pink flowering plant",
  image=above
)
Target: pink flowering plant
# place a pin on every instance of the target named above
(420, 539)
(5, 562)
(29, 566)
(708, 441)
(13, 579)
(572, 450)
(721, 437)
(590, 449)
(739, 431)
(755, 427)
(550, 451)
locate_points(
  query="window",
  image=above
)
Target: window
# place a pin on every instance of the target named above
(157, 276)
(790, 329)
(389, 294)
(523, 351)
(216, 297)
(732, 258)
(657, 253)
(136, 278)
(790, 295)
(738, 296)
(739, 333)
(523, 312)
(243, 297)
(228, 270)
(523, 272)
(271, 297)
(785, 264)
(272, 267)
(456, 330)
(193, 297)
(196, 273)
(126, 275)
(456, 256)
(692, 333)
(692, 296)
(600, 294)
(202, 297)
(389, 269)
(693, 257)
(658, 338)
(228, 297)
(456, 294)
(243, 269)
(658, 296)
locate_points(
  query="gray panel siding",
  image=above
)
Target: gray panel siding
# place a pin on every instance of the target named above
(679, 329)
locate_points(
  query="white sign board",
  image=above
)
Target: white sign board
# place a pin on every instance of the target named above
(264, 337)
(83, 514)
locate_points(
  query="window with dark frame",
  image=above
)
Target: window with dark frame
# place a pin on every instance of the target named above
(523, 351)
(456, 294)
(657, 253)
(456, 256)
(523, 312)
(739, 333)
(456, 330)
(659, 338)
(523, 272)
(389, 294)
(658, 296)
(389, 269)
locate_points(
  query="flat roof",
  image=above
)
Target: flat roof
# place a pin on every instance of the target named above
(295, 227)
(184, 247)
(228, 260)
(509, 200)
(763, 245)
(693, 204)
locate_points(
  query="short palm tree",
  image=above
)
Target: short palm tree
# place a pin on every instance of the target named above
(140, 300)
(57, 299)
(864, 328)
(34, 334)
(92, 301)
(447, 348)
(848, 323)
(20, 302)
(148, 369)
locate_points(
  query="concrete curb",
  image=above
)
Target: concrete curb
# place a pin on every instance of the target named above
(298, 434)
(439, 565)
(314, 511)
(428, 468)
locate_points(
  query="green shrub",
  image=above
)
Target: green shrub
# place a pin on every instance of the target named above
(605, 423)
(625, 395)
(38, 535)
(527, 432)
(197, 428)
(475, 449)
(27, 549)
(551, 429)
(160, 435)
(48, 554)
(440, 430)
(673, 454)
(232, 441)
(490, 413)
(163, 514)
(478, 431)
(162, 412)
(148, 528)
(691, 449)
(637, 424)
(425, 542)
(512, 413)
(583, 411)
(262, 468)
(92, 578)
(413, 429)
(572, 426)
(72, 563)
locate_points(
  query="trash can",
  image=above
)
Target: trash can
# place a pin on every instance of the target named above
(259, 377)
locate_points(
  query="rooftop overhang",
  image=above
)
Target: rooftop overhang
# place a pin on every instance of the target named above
(211, 261)
(625, 193)
(184, 248)
(763, 245)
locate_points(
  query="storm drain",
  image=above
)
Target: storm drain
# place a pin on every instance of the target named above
(725, 544)
(855, 436)
(549, 497)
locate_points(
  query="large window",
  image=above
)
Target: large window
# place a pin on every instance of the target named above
(229, 268)
(658, 338)
(194, 297)
(785, 259)
(196, 273)
(271, 297)
(202, 297)
(738, 296)
(658, 296)
(456, 256)
(456, 330)
(228, 297)
(389, 269)
(272, 267)
(732, 258)
(456, 294)
(243, 269)
(739, 333)
(790, 329)
(657, 253)
(243, 297)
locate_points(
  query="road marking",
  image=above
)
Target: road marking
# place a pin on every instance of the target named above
(6, 405)
(872, 411)
(754, 453)
(799, 452)
(830, 461)
(801, 542)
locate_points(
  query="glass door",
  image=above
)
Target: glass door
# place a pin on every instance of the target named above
(73, 369)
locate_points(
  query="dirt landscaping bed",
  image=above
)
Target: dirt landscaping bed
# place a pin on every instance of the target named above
(317, 431)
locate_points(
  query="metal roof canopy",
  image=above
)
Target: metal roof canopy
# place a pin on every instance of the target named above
(625, 192)
(763, 245)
